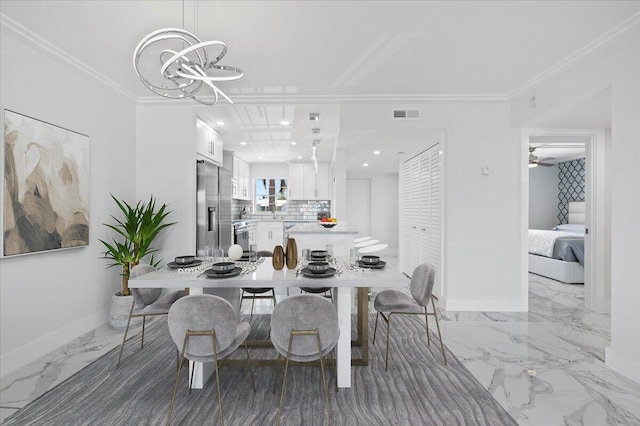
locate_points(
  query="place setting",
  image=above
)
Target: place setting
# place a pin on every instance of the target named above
(223, 270)
(318, 264)
(371, 262)
(184, 262)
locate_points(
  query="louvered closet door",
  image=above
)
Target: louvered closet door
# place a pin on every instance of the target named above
(421, 213)
(410, 204)
(434, 229)
(425, 208)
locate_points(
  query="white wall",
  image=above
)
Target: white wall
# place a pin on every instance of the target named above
(48, 299)
(166, 168)
(614, 65)
(543, 197)
(481, 213)
(384, 207)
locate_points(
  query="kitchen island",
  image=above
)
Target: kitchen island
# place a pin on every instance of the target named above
(316, 237)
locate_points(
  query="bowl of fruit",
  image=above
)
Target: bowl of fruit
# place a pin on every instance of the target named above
(328, 222)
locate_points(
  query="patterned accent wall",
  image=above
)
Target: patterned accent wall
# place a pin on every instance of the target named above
(571, 186)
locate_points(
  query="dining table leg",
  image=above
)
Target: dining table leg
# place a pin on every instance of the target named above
(343, 303)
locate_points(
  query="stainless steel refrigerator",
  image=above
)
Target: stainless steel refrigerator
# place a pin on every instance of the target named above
(213, 207)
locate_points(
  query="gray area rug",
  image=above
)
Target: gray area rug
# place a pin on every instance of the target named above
(417, 389)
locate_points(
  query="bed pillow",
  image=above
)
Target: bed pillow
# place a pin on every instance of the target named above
(577, 228)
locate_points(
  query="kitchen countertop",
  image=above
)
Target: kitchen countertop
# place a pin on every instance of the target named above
(316, 228)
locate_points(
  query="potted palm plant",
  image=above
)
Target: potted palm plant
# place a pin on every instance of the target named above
(135, 232)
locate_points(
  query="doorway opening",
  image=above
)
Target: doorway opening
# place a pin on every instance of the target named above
(579, 183)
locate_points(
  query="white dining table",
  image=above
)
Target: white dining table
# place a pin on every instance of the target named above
(265, 275)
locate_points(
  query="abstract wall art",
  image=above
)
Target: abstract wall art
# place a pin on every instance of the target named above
(46, 187)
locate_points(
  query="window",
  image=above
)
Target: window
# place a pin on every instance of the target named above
(271, 195)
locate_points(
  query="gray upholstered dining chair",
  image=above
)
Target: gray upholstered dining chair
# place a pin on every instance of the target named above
(204, 328)
(323, 291)
(395, 302)
(304, 328)
(149, 303)
(258, 293)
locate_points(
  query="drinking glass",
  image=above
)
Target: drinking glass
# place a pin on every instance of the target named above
(253, 252)
(208, 253)
(218, 255)
(306, 253)
(329, 249)
(353, 255)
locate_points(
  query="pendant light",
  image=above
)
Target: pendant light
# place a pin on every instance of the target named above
(185, 72)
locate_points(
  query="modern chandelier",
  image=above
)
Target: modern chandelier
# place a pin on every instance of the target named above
(183, 73)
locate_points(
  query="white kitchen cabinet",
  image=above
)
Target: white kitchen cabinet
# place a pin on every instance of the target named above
(209, 143)
(302, 182)
(242, 179)
(269, 234)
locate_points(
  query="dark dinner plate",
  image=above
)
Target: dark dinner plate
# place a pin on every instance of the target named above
(174, 265)
(378, 265)
(210, 273)
(328, 273)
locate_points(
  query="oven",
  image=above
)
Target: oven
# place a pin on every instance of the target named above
(241, 234)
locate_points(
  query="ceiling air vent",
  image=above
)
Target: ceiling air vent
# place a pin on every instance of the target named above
(406, 114)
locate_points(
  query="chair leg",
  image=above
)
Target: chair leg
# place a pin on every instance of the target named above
(144, 320)
(435, 314)
(426, 322)
(273, 294)
(126, 331)
(284, 380)
(375, 329)
(193, 370)
(175, 387)
(215, 353)
(275, 380)
(386, 359)
(324, 379)
(253, 380)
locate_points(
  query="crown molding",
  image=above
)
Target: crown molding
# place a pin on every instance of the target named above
(19, 31)
(244, 99)
(605, 39)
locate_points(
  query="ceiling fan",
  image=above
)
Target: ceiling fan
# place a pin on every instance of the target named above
(533, 159)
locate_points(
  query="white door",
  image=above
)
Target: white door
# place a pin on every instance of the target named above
(359, 206)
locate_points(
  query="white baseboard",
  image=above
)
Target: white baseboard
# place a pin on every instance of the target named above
(622, 364)
(30, 352)
(476, 305)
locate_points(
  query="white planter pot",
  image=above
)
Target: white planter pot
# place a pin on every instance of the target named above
(119, 312)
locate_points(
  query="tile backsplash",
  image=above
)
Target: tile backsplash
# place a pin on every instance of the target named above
(296, 209)
(236, 207)
(308, 209)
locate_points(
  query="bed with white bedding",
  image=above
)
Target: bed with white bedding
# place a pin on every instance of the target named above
(559, 253)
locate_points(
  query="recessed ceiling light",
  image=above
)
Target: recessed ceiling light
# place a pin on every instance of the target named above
(220, 123)
(243, 143)
(299, 157)
(293, 143)
(285, 123)
(366, 164)
(376, 152)
(260, 157)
